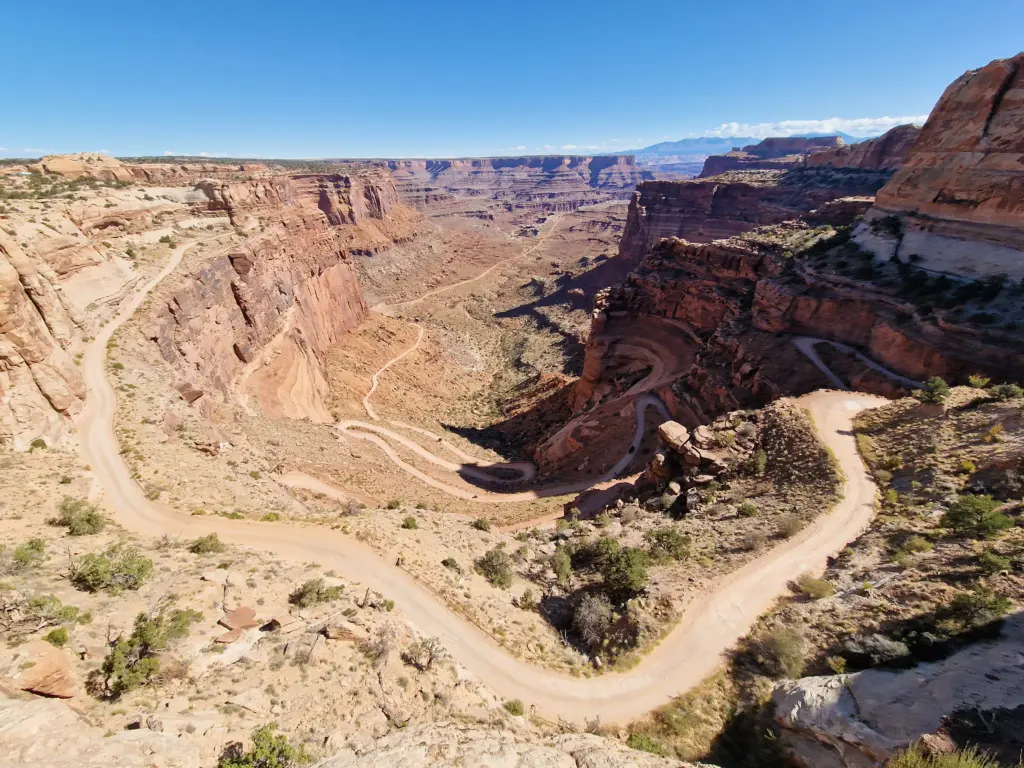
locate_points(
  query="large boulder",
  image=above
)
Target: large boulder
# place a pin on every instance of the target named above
(38, 667)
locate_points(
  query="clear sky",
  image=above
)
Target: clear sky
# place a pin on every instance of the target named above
(378, 78)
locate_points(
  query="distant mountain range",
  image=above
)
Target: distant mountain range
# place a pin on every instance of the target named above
(717, 145)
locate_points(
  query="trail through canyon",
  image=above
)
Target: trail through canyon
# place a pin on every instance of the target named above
(691, 651)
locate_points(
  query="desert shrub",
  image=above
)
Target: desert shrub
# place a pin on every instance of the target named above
(935, 391)
(394, 504)
(314, 592)
(561, 563)
(978, 381)
(757, 463)
(625, 573)
(644, 743)
(31, 554)
(592, 619)
(747, 509)
(424, 653)
(496, 566)
(526, 601)
(780, 653)
(915, 758)
(875, 650)
(79, 516)
(667, 543)
(57, 637)
(882, 476)
(916, 545)
(482, 524)
(206, 545)
(410, 524)
(269, 750)
(514, 707)
(133, 662)
(968, 467)
(992, 562)
(1004, 392)
(753, 541)
(119, 567)
(976, 517)
(39, 444)
(789, 526)
(837, 664)
(451, 564)
(973, 609)
(271, 517)
(813, 588)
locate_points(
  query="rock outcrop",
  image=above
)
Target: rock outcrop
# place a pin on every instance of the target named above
(771, 154)
(885, 153)
(449, 745)
(40, 668)
(958, 200)
(81, 164)
(40, 387)
(45, 733)
(859, 720)
(262, 316)
(702, 211)
(541, 183)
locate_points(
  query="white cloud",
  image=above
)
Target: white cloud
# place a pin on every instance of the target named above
(547, 146)
(521, 147)
(205, 154)
(168, 153)
(34, 149)
(857, 126)
(104, 151)
(568, 146)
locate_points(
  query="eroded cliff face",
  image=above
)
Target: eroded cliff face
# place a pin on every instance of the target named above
(261, 317)
(703, 211)
(541, 183)
(959, 197)
(779, 153)
(40, 387)
(885, 153)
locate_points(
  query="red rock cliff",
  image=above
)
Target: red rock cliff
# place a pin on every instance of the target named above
(261, 316)
(885, 153)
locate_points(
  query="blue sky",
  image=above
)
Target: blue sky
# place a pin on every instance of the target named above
(377, 78)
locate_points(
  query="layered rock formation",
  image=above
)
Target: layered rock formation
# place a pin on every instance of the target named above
(860, 720)
(541, 183)
(702, 211)
(263, 315)
(958, 200)
(771, 154)
(885, 153)
(40, 387)
(92, 164)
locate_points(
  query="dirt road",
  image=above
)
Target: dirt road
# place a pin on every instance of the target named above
(687, 655)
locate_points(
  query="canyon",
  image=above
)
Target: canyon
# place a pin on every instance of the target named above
(457, 383)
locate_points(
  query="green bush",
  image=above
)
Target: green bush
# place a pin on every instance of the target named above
(780, 653)
(132, 662)
(978, 381)
(644, 743)
(31, 554)
(813, 588)
(409, 523)
(269, 750)
(206, 545)
(57, 637)
(514, 707)
(625, 572)
(314, 592)
(916, 545)
(394, 504)
(1004, 392)
(757, 463)
(482, 524)
(39, 444)
(119, 567)
(561, 563)
(789, 526)
(935, 391)
(973, 609)
(991, 562)
(976, 517)
(79, 516)
(747, 509)
(496, 567)
(451, 564)
(668, 543)
(914, 758)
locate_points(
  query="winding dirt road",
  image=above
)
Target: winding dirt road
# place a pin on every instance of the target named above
(686, 656)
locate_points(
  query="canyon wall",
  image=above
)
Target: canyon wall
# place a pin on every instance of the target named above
(702, 211)
(261, 316)
(779, 153)
(958, 200)
(540, 183)
(884, 153)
